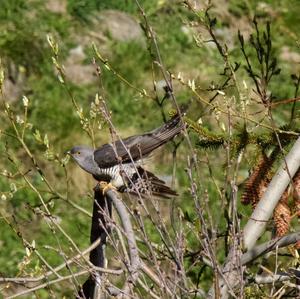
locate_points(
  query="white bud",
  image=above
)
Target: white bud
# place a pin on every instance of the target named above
(97, 102)
(223, 127)
(19, 120)
(1, 76)
(60, 78)
(27, 251)
(13, 188)
(46, 140)
(29, 126)
(191, 84)
(25, 101)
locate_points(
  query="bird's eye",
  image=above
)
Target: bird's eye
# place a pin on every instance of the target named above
(78, 153)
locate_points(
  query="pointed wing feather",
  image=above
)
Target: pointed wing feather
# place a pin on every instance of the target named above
(145, 183)
(139, 146)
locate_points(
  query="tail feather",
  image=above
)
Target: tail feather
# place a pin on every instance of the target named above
(170, 129)
(146, 183)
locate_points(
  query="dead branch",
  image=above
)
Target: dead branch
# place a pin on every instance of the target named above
(270, 279)
(135, 263)
(264, 248)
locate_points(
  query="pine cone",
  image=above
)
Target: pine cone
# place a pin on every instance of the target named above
(282, 216)
(296, 193)
(261, 190)
(257, 182)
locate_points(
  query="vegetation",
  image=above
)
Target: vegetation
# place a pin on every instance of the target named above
(67, 81)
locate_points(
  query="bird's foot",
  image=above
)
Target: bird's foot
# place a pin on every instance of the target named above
(105, 186)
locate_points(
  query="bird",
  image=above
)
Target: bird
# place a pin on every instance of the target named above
(121, 163)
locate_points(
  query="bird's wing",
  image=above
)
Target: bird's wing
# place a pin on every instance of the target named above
(138, 146)
(145, 183)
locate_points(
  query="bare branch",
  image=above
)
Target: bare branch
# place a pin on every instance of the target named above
(135, 263)
(46, 284)
(264, 248)
(270, 279)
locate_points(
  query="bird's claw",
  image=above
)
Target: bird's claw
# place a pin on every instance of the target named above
(104, 186)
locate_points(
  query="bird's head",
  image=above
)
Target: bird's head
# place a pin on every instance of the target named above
(81, 153)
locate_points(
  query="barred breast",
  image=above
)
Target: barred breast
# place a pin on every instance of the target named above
(118, 174)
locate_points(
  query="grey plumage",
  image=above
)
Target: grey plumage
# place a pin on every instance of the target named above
(114, 163)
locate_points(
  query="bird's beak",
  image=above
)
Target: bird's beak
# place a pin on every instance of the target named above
(68, 153)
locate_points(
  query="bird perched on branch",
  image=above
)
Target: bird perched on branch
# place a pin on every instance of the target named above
(119, 163)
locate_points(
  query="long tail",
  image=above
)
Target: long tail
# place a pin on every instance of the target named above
(170, 129)
(146, 183)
